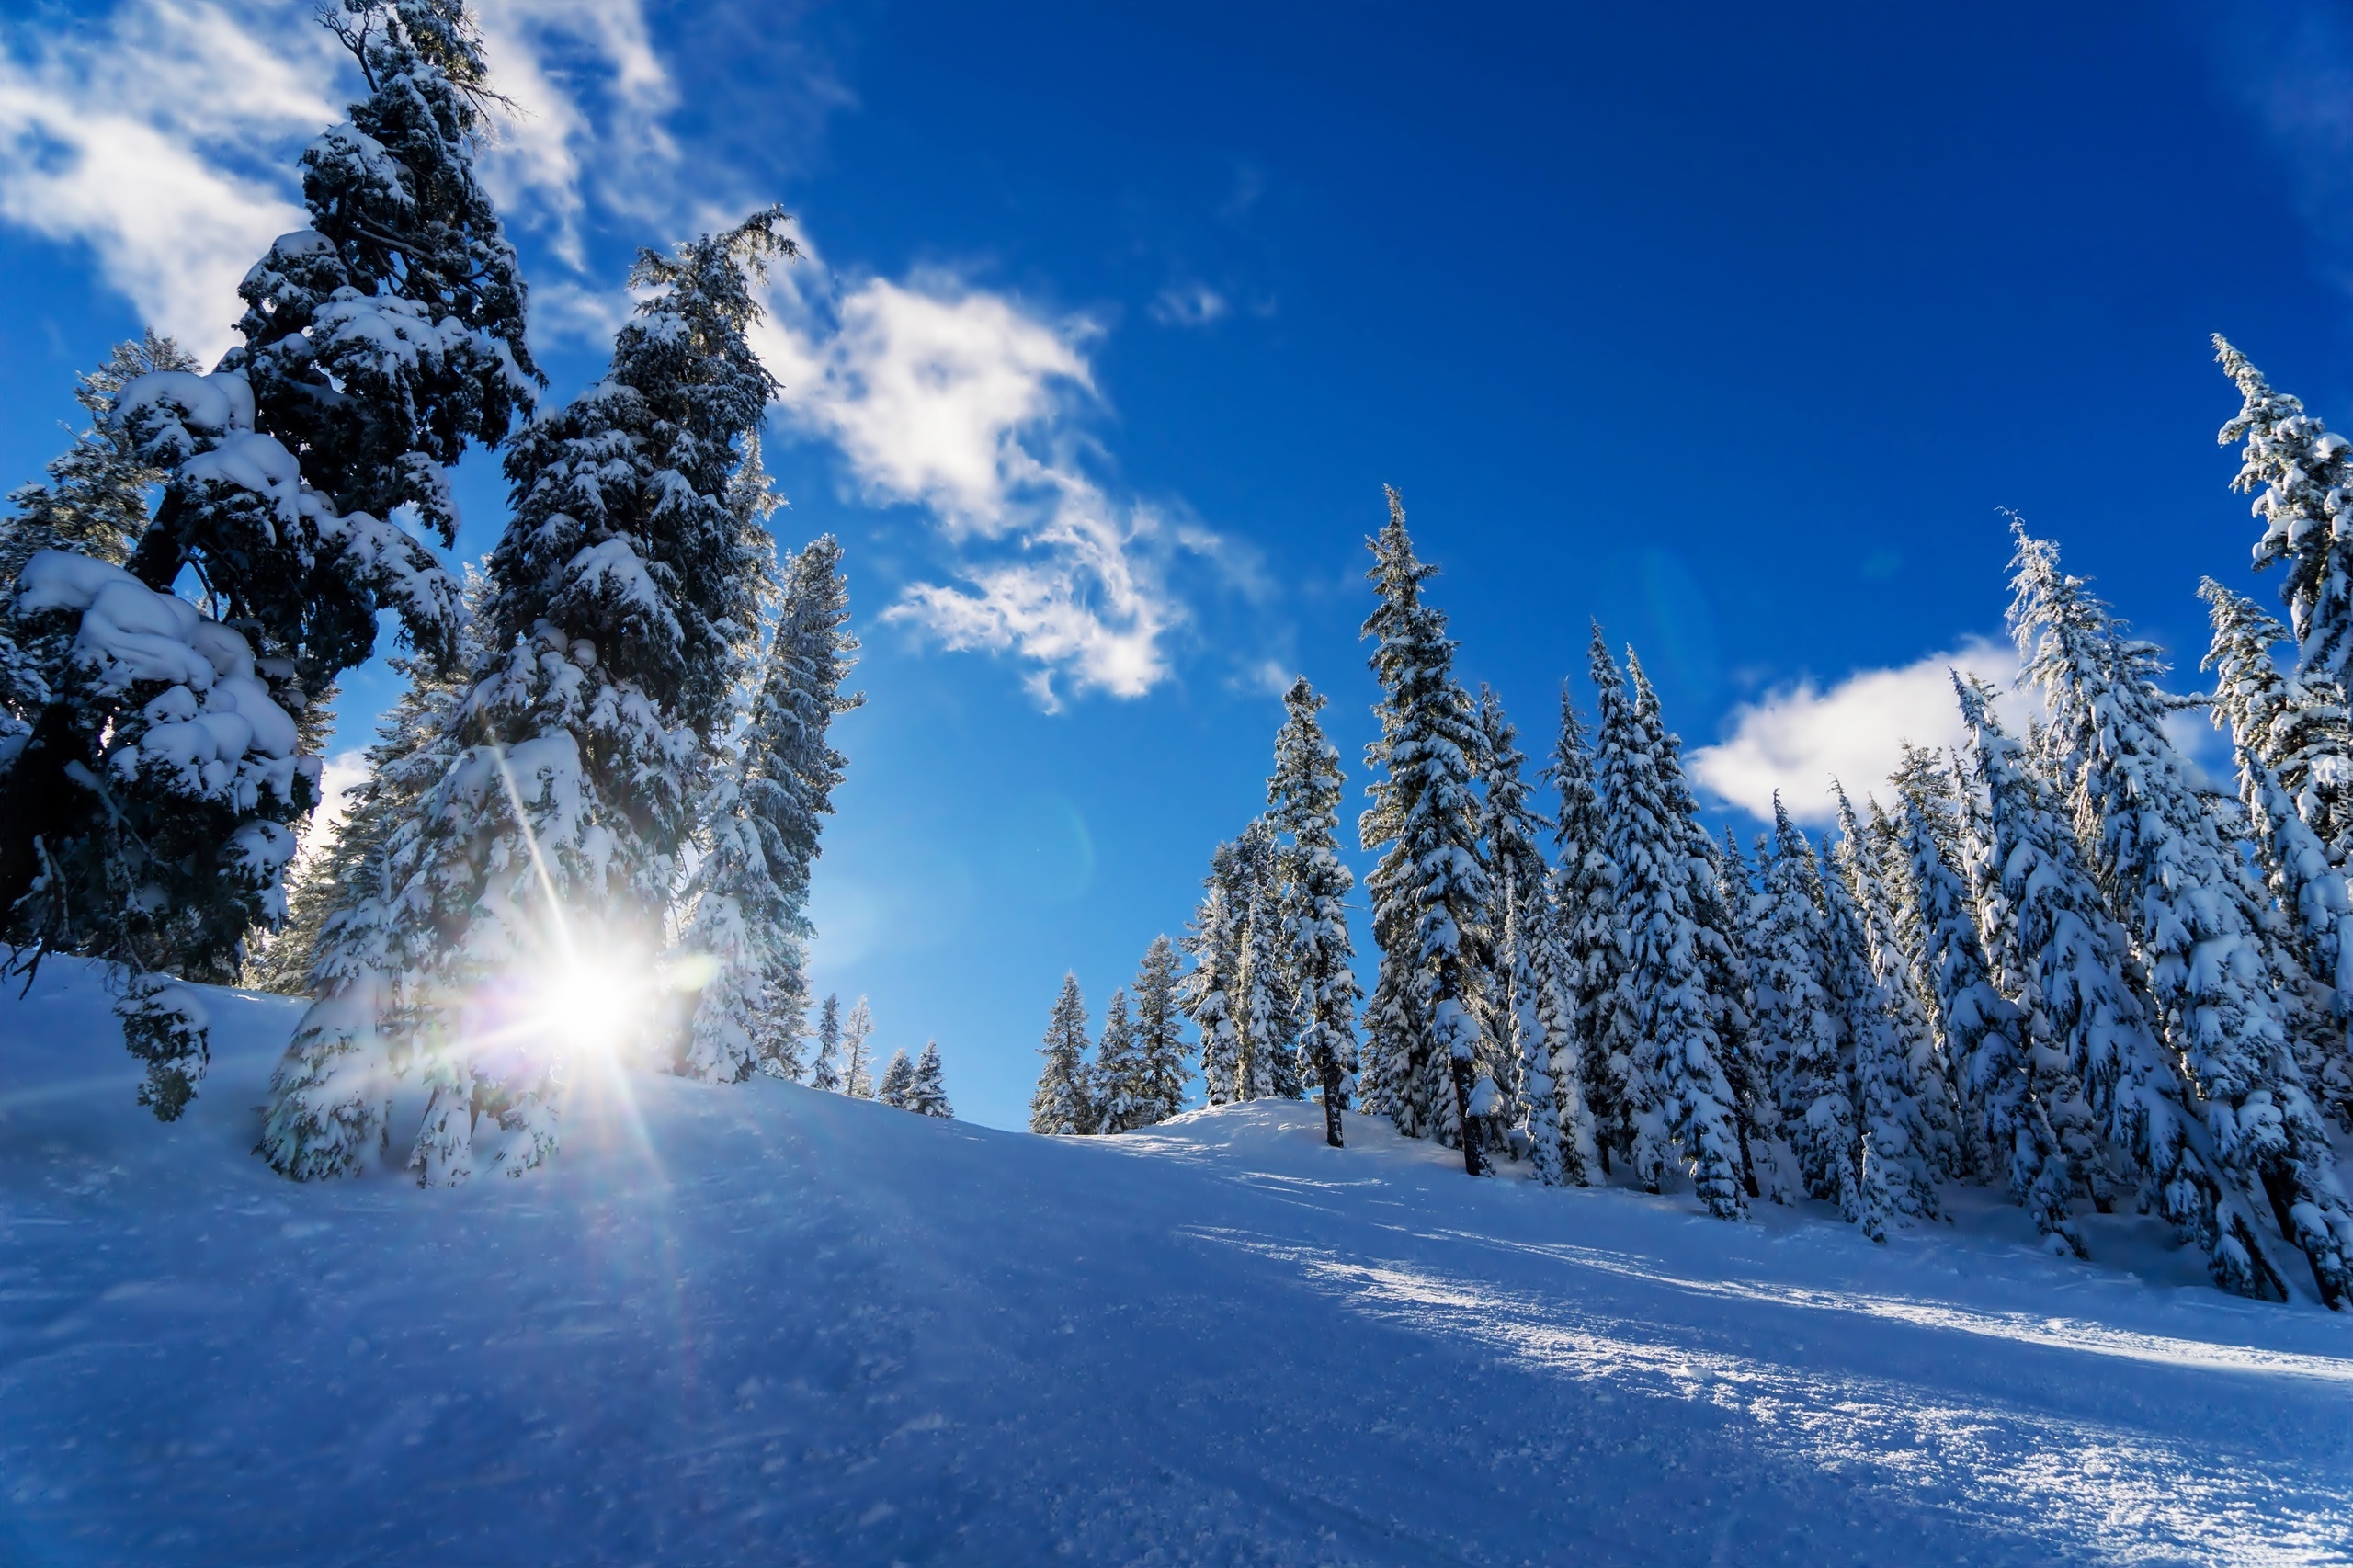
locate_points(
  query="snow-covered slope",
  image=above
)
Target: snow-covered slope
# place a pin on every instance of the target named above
(760, 1325)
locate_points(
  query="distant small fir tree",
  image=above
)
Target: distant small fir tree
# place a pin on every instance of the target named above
(1060, 1105)
(898, 1082)
(926, 1092)
(1112, 1078)
(825, 1072)
(1157, 1091)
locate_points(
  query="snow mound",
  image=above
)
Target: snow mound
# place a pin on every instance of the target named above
(756, 1324)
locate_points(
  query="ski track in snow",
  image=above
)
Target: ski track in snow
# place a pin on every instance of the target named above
(759, 1324)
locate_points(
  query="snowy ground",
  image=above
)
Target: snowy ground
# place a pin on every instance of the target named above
(764, 1325)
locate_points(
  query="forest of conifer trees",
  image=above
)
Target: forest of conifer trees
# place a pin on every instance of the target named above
(2061, 964)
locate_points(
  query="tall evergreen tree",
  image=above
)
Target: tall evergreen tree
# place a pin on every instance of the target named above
(1060, 1105)
(1212, 988)
(1303, 805)
(1583, 901)
(926, 1092)
(2294, 779)
(2044, 1138)
(857, 1080)
(1430, 889)
(2198, 921)
(1797, 1028)
(2073, 977)
(618, 600)
(825, 1072)
(1872, 1187)
(762, 816)
(1899, 1081)
(1937, 929)
(330, 1095)
(1524, 953)
(1268, 1067)
(2302, 471)
(2300, 733)
(1158, 1089)
(1680, 1109)
(1112, 1079)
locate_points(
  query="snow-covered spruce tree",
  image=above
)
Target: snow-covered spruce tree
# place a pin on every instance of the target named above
(1536, 1125)
(2198, 921)
(1883, 1033)
(1211, 989)
(1870, 1188)
(2074, 981)
(898, 1082)
(762, 817)
(1060, 1105)
(1111, 1077)
(1430, 892)
(2318, 942)
(1524, 954)
(1797, 1025)
(1681, 1108)
(1157, 1092)
(2300, 733)
(825, 1070)
(1269, 1066)
(1303, 808)
(2043, 1137)
(618, 600)
(1738, 895)
(926, 1092)
(2294, 776)
(1733, 991)
(857, 1080)
(1937, 926)
(330, 1095)
(1724, 972)
(1584, 930)
(1894, 931)
(2302, 471)
(1893, 950)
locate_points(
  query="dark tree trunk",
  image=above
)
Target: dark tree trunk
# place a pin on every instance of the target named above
(1332, 1100)
(1474, 1153)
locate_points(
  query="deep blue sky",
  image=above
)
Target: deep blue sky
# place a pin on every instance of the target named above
(1734, 329)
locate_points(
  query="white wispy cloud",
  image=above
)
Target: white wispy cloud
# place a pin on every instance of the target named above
(1798, 738)
(161, 136)
(1189, 304)
(591, 95)
(960, 400)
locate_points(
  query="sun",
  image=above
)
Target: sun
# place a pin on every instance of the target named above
(587, 1006)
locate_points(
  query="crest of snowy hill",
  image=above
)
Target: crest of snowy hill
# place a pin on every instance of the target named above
(761, 1323)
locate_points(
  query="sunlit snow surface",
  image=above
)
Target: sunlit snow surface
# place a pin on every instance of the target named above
(760, 1325)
